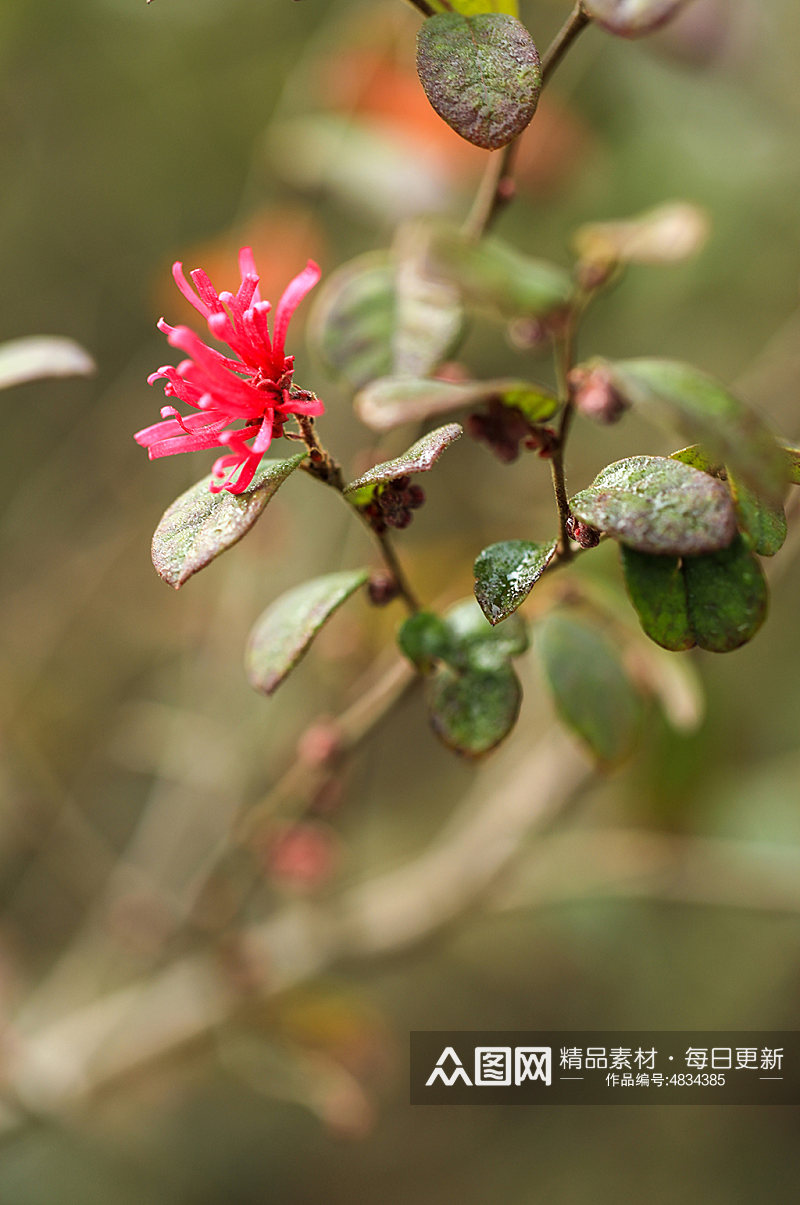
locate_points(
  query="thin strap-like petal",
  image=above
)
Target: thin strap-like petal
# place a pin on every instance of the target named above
(208, 293)
(187, 290)
(293, 294)
(264, 437)
(247, 268)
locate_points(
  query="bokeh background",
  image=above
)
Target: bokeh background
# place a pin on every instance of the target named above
(131, 744)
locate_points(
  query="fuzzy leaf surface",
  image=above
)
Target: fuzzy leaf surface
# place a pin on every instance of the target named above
(481, 74)
(505, 574)
(472, 711)
(727, 597)
(657, 590)
(419, 458)
(702, 410)
(199, 525)
(659, 505)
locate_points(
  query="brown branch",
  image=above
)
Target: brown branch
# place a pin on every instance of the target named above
(67, 1063)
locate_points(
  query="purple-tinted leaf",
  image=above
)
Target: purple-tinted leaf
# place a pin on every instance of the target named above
(659, 505)
(419, 458)
(199, 525)
(481, 74)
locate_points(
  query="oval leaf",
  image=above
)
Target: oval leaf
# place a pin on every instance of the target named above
(376, 316)
(659, 505)
(419, 458)
(40, 356)
(429, 320)
(506, 573)
(664, 235)
(727, 597)
(200, 525)
(391, 401)
(425, 639)
(658, 592)
(474, 710)
(286, 629)
(352, 320)
(481, 74)
(762, 523)
(478, 645)
(703, 410)
(592, 692)
(492, 274)
(632, 18)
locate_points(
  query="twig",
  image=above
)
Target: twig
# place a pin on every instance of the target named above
(574, 24)
(323, 467)
(69, 1062)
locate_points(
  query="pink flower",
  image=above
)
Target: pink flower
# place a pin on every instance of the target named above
(242, 401)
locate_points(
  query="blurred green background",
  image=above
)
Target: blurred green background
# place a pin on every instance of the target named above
(134, 135)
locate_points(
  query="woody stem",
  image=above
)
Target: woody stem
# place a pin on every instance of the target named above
(323, 466)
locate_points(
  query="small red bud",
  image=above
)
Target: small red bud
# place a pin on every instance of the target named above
(320, 744)
(594, 395)
(582, 533)
(381, 589)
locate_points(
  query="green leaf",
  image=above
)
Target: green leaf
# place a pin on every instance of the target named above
(704, 411)
(473, 711)
(658, 592)
(534, 401)
(352, 321)
(376, 317)
(659, 505)
(419, 458)
(792, 456)
(473, 694)
(199, 525)
(476, 644)
(429, 317)
(698, 459)
(38, 356)
(470, 8)
(664, 235)
(506, 573)
(425, 638)
(632, 18)
(593, 694)
(462, 638)
(286, 629)
(481, 74)
(727, 597)
(762, 523)
(494, 275)
(390, 401)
